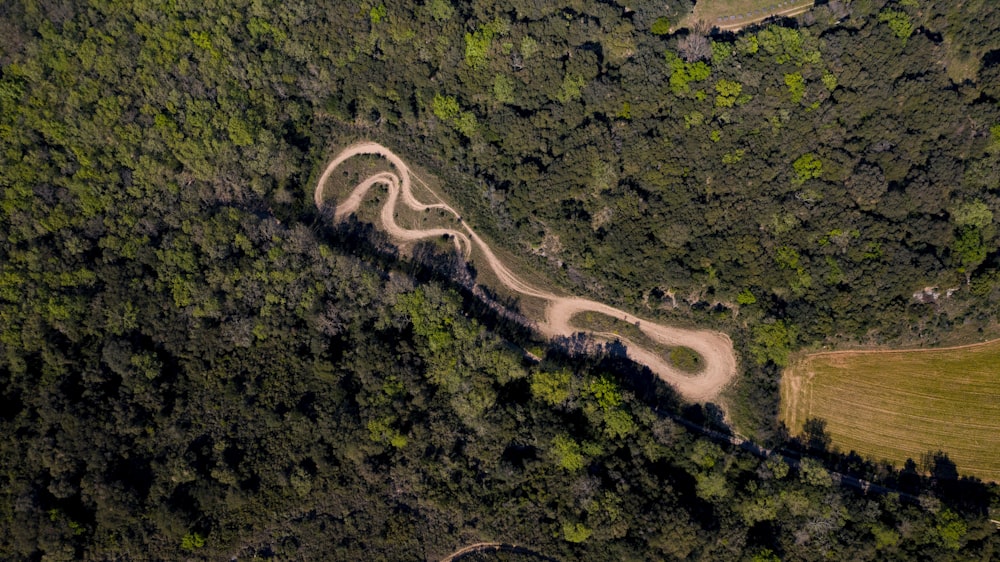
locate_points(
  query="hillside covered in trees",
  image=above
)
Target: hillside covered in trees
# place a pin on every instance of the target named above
(196, 363)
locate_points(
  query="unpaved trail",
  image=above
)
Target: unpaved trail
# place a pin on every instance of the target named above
(479, 546)
(494, 547)
(787, 12)
(737, 21)
(715, 347)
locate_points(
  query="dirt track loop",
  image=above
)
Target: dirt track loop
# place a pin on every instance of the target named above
(715, 347)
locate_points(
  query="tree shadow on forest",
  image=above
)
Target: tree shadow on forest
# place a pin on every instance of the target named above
(965, 493)
(707, 420)
(582, 351)
(935, 474)
(428, 262)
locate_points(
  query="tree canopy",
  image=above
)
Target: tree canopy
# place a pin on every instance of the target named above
(196, 363)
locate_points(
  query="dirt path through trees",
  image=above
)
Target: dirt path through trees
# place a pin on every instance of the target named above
(715, 347)
(734, 16)
(494, 547)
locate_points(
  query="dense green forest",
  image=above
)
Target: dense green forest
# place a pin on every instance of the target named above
(195, 363)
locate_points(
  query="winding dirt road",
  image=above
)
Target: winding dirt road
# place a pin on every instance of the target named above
(715, 347)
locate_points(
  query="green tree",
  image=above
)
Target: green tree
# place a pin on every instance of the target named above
(440, 10)
(239, 132)
(728, 92)
(478, 43)
(969, 248)
(884, 536)
(829, 81)
(899, 22)
(796, 86)
(529, 46)
(766, 555)
(192, 541)
(721, 50)
(684, 73)
(551, 387)
(606, 391)
(567, 453)
(618, 424)
(807, 167)
(446, 108)
(813, 472)
(377, 14)
(973, 213)
(503, 88)
(706, 454)
(776, 466)
(994, 144)
(625, 112)
(760, 508)
(951, 529)
(783, 44)
(661, 26)
(712, 486)
(576, 532)
(773, 342)
(571, 88)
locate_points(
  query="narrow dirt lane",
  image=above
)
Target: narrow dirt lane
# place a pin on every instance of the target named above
(715, 347)
(492, 547)
(787, 12)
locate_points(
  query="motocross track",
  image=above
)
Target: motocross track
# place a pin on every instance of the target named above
(715, 347)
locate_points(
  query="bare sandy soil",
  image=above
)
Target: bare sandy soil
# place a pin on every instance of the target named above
(715, 347)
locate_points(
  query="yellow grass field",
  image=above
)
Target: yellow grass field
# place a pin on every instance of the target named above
(895, 405)
(735, 14)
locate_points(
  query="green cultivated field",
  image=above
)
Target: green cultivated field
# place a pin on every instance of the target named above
(896, 405)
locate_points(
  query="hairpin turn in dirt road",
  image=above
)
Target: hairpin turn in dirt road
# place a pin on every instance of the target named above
(714, 347)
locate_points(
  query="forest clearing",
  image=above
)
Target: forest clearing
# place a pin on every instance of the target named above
(713, 348)
(903, 404)
(732, 15)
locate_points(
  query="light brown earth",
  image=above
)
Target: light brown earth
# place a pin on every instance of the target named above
(715, 347)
